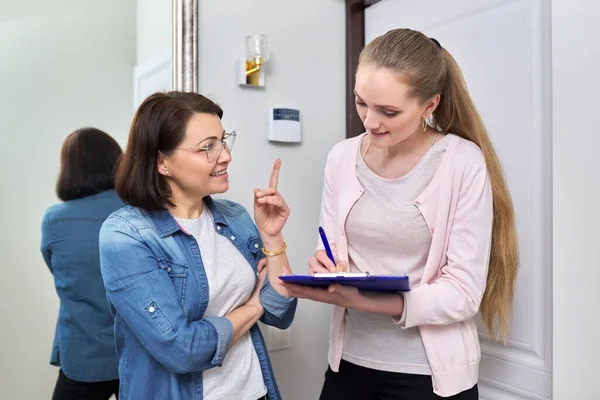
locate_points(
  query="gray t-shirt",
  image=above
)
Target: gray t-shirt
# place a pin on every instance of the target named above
(230, 284)
(388, 235)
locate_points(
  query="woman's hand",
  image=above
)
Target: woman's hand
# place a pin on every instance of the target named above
(350, 297)
(270, 215)
(320, 263)
(245, 316)
(344, 296)
(254, 299)
(270, 209)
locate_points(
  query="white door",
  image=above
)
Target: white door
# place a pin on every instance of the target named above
(503, 50)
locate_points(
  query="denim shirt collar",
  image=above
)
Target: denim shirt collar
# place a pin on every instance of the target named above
(166, 224)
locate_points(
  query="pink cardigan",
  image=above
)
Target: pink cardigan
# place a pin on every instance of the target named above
(457, 207)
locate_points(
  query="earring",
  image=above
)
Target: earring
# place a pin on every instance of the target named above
(425, 124)
(166, 172)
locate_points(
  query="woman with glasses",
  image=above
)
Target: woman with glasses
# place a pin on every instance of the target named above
(188, 276)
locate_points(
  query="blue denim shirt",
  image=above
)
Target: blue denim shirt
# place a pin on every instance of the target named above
(158, 291)
(84, 344)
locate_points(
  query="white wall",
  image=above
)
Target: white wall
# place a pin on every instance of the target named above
(153, 29)
(576, 143)
(65, 64)
(306, 71)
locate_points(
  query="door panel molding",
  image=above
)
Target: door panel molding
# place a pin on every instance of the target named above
(355, 41)
(504, 49)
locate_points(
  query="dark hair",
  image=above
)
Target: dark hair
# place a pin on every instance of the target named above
(158, 126)
(88, 159)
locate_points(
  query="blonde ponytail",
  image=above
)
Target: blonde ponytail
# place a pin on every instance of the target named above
(456, 113)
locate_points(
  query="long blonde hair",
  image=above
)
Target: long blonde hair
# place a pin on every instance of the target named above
(430, 69)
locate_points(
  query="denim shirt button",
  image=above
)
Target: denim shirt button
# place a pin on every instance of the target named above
(151, 309)
(233, 238)
(256, 246)
(218, 227)
(168, 269)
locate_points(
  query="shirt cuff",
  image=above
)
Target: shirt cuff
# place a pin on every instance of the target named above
(224, 329)
(273, 302)
(402, 320)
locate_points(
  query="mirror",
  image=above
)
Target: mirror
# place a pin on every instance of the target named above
(66, 64)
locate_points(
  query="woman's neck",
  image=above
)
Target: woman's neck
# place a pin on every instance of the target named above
(414, 144)
(185, 207)
(396, 161)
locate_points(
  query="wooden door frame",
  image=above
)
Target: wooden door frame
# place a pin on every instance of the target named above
(355, 41)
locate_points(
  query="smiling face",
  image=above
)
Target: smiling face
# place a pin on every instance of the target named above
(195, 168)
(385, 105)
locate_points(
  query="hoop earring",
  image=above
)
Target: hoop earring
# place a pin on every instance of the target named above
(425, 125)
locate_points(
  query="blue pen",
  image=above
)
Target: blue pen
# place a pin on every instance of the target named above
(326, 244)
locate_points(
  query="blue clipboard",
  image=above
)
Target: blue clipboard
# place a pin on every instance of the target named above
(362, 281)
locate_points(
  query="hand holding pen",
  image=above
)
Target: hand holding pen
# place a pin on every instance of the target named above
(323, 261)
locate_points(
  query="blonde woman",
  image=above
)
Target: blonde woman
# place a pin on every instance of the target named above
(420, 193)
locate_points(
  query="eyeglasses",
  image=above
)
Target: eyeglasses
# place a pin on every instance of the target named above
(214, 148)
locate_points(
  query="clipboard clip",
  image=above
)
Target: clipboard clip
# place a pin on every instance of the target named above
(340, 274)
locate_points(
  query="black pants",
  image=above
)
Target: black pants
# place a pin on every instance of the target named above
(354, 382)
(68, 389)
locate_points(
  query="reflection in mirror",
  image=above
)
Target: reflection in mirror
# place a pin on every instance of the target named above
(66, 65)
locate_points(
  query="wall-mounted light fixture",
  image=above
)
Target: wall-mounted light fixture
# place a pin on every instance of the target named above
(253, 64)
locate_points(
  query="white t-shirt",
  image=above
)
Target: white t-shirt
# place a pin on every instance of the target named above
(388, 235)
(230, 284)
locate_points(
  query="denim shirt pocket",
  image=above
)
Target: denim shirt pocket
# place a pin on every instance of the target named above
(178, 273)
(254, 247)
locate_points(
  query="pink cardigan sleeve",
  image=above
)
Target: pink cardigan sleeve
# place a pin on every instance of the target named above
(326, 216)
(456, 294)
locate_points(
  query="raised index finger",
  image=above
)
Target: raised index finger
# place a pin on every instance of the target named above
(275, 174)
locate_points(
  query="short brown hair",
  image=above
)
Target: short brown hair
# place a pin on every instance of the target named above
(87, 164)
(158, 126)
